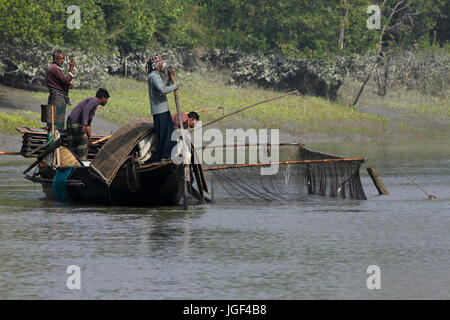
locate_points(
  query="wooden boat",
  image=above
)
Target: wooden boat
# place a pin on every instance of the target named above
(302, 172)
(134, 184)
(146, 186)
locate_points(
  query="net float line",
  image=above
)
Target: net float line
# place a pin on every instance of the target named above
(283, 162)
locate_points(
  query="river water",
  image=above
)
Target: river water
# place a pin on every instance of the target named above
(245, 250)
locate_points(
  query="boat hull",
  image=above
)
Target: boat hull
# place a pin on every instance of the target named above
(159, 187)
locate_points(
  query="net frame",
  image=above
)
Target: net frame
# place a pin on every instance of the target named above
(302, 174)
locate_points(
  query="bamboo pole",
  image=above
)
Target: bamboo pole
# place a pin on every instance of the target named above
(58, 157)
(248, 107)
(377, 181)
(430, 196)
(53, 122)
(55, 157)
(9, 153)
(208, 109)
(187, 173)
(252, 145)
(236, 166)
(198, 166)
(101, 140)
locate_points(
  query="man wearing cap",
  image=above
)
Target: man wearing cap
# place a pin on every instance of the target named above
(160, 108)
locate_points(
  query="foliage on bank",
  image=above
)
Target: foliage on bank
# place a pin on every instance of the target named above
(301, 28)
(25, 67)
(312, 118)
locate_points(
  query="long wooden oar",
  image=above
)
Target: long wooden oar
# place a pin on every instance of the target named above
(248, 107)
(187, 173)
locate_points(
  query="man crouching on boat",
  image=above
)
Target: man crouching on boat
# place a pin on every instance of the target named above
(160, 108)
(79, 123)
(189, 120)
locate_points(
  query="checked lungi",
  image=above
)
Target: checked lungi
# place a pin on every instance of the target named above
(58, 100)
(164, 128)
(76, 139)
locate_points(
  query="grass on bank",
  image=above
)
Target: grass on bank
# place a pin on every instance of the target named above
(9, 121)
(297, 115)
(312, 118)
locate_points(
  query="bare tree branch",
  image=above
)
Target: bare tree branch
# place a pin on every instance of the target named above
(115, 33)
(380, 43)
(404, 7)
(394, 26)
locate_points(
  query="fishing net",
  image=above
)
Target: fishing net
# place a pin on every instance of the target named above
(302, 174)
(114, 153)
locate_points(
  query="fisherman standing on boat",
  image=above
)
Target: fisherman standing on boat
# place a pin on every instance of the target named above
(160, 108)
(79, 123)
(58, 86)
(189, 120)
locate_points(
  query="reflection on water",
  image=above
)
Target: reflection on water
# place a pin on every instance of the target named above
(229, 250)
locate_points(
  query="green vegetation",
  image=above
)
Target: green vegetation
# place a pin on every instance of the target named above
(293, 27)
(300, 28)
(9, 122)
(308, 117)
(104, 24)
